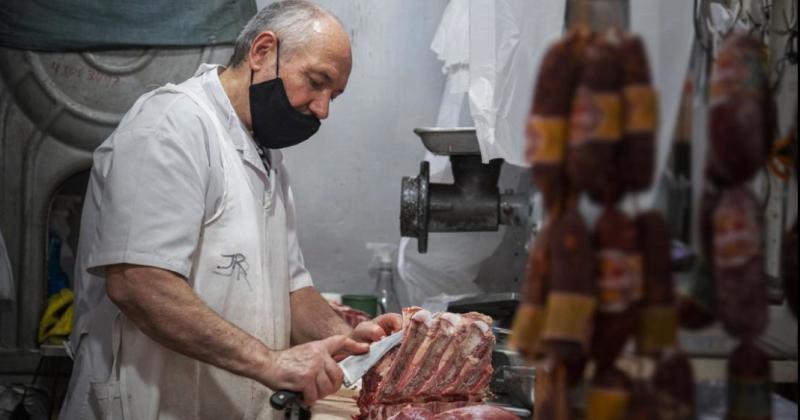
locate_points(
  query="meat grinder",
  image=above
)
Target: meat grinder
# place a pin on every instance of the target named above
(473, 201)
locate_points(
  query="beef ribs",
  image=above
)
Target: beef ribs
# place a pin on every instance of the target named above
(477, 412)
(444, 362)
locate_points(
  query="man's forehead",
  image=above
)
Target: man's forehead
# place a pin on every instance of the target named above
(329, 53)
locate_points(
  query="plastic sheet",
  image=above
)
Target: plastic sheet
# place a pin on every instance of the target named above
(507, 41)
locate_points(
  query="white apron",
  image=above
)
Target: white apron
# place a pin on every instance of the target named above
(240, 269)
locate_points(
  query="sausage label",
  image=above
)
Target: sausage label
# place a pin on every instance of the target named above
(641, 108)
(620, 280)
(547, 139)
(737, 71)
(607, 404)
(595, 117)
(658, 328)
(527, 328)
(749, 399)
(736, 236)
(569, 317)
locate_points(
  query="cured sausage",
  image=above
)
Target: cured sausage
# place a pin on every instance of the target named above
(548, 124)
(596, 123)
(640, 116)
(619, 278)
(658, 319)
(741, 111)
(571, 299)
(609, 395)
(741, 289)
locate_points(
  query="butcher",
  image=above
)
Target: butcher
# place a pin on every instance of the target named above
(193, 300)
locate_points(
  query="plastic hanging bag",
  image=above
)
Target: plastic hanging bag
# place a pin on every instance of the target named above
(507, 40)
(6, 280)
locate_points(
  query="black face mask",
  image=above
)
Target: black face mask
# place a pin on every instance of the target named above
(276, 124)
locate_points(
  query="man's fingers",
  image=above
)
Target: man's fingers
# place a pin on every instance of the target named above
(324, 384)
(390, 322)
(334, 373)
(341, 344)
(370, 331)
(310, 394)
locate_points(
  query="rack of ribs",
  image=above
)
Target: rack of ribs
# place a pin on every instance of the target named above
(444, 362)
(477, 412)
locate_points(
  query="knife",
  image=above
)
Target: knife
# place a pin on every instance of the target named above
(353, 367)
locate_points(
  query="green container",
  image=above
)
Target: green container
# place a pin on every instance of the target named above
(366, 303)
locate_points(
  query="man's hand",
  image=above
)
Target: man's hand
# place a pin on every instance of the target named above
(310, 368)
(371, 331)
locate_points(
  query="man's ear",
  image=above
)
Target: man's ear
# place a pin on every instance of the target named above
(262, 50)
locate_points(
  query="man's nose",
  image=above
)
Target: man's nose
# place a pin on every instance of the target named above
(319, 107)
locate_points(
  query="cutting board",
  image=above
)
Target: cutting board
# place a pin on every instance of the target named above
(341, 405)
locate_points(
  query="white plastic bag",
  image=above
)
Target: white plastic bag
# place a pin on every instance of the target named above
(6, 281)
(507, 41)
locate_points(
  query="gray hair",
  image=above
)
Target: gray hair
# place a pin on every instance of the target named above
(291, 20)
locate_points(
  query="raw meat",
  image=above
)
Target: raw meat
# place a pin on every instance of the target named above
(350, 315)
(478, 412)
(444, 362)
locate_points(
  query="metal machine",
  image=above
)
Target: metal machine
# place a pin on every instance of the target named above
(473, 201)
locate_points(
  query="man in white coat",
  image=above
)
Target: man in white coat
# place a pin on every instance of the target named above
(193, 301)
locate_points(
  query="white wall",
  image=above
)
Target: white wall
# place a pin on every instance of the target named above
(346, 179)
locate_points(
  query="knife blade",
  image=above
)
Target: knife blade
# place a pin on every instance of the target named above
(354, 367)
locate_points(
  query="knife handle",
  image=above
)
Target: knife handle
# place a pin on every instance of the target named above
(283, 399)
